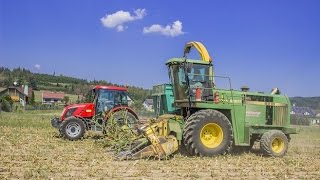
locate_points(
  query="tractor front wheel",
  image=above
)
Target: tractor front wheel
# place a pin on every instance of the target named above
(72, 128)
(208, 133)
(274, 143)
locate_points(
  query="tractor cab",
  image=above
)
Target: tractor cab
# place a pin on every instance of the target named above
(106, 98)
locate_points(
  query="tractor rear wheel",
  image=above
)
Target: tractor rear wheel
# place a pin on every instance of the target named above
(123, 117)
(208, 133)
(274, 143)
(72, 128)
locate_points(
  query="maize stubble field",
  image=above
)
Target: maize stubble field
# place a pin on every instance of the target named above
(31, 149)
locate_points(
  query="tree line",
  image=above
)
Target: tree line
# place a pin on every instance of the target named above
(70, 85)
(311, 102)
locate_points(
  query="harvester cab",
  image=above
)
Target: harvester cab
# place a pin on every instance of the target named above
(103, 103)
(208, 120)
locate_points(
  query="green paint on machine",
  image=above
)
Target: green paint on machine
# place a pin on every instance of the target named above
(244, 109)
(194, 114)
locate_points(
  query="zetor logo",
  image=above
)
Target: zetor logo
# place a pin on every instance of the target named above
(253, 114)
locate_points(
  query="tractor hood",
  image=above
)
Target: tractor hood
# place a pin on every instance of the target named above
(78, 105)
(85, 110)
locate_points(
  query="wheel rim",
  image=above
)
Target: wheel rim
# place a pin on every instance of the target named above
(277, 145)
(73, 129)
(211, 135)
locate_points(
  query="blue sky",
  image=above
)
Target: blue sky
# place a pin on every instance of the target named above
(262, 44)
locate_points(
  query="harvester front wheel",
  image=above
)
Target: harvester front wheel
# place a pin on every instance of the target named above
(274, 143)
(72, 128)
(208, 133)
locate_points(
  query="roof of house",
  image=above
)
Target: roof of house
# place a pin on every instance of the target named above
(52, 95)
(149, 101)
(19, 89)
(303, 110)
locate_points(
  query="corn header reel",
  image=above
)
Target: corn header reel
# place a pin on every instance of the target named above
(161, 138)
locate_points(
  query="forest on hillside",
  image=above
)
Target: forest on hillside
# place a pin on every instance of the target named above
(70, 85)
(311, 102)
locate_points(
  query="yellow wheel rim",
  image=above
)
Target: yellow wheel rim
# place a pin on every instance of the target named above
(277, 145)
(211, 135)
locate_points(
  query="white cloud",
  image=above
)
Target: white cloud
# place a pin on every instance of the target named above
(37, 66)
(174, 30)
(117, 19)
(120, 28)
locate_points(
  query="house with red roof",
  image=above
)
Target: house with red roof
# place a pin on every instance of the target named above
(49, 97)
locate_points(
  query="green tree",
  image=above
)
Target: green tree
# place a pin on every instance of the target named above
(32, 100)
(78, 99)
(6, 103)
(33, 83)
(137, 105)
(66, 99)
(8, 81)
(72, 88)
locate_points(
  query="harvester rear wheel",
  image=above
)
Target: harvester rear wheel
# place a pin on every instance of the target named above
(72, 128)
(208, 133)
(274, 143)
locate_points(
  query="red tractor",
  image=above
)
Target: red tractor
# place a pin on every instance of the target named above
(104, 102)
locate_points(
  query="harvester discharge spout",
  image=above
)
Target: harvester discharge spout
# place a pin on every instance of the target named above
(200, 48)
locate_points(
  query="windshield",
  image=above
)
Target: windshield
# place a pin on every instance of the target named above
(198, 75)
(108, 99)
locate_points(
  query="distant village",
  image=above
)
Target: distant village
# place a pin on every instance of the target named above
(23, 95)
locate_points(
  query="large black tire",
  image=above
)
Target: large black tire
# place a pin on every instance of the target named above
(72, 128)
(208, 133)
(124, 117)
(274, 143)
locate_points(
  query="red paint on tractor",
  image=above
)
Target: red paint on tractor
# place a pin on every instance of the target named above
(115, 88)
(85, 110)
